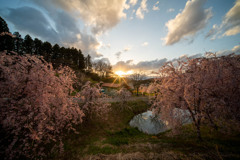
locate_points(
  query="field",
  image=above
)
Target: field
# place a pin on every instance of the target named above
(115, 139)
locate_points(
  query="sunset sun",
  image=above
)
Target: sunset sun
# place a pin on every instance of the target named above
(122, 73)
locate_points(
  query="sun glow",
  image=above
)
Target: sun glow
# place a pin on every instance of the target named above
(122, 74)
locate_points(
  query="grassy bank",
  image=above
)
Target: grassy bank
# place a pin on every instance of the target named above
(115, 139)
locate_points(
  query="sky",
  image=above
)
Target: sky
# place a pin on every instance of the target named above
(130, 34)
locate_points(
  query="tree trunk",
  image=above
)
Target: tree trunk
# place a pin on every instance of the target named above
(199, 133)
(212, 123)
(197, 124)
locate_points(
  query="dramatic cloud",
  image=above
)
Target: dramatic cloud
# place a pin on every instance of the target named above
(65, 17)
(187, 23)
(66, 31)
(100, 15)
(230, 25)
(32, 21)
(170, 10)
(145, 44)
(88, 44)
(143, 8)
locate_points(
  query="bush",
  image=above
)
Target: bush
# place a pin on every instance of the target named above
(208, 88)
(36, 108)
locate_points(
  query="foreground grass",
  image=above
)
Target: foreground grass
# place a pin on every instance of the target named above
(115, 138)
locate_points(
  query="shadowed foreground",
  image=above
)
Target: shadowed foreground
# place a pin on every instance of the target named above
(114, 139)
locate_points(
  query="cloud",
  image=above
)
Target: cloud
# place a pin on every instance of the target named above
(66, 31)
(126, 6)
(133, 2)
(212, 32)
(149, 66)
(170, 10)
(31, 20)
(143, 65)
(88, 44)
(154, 65)
(105, 60)
(100, 15)
(145, 44)
(235, 49)
(187, 23)
(155, 7)
(105, 46)
(233, 31)
(230, 25)
(231, 21)
(127, 49)
(118, 54)
(143, 8)
(65, 16)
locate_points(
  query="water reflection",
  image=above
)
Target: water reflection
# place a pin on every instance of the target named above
(148, 123)
(152, 124)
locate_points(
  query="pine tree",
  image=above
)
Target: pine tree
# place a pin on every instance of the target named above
(28, 44)
(6, 38)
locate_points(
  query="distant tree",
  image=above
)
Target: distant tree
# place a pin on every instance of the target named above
(102, 68)
(81, 62)
(28, 44)
(6, 38)
(93, 76)
(47, 51)
(3, 26)
(37, 46)
(55, 55)
(108, 70)
(88, 63)
(76, 59)
(18, 43)
(136, 79)
(6, 41)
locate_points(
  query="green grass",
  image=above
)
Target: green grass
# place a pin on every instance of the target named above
(125, 136)
(114, 136)
(104, 150)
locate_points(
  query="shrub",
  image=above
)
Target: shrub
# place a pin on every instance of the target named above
(36, 107)
(208, 88)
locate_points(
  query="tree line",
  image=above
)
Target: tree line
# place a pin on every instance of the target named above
(55, 54)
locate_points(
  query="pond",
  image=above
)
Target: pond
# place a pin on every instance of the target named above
(149, 123)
